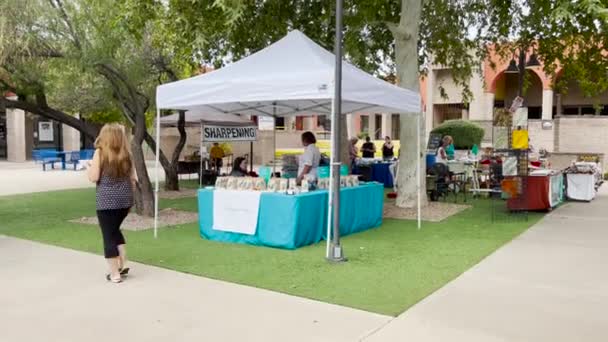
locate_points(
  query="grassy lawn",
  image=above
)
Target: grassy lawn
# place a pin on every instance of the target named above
(389, 269)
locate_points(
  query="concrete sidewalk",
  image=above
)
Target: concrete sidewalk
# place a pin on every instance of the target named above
(54, 294)
(550, 284)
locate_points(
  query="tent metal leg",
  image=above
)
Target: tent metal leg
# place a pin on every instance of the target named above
(156, 173)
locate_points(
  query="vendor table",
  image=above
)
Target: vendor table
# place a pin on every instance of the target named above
(542, 193)
(580, 187)
(381, 173)
(292, 221)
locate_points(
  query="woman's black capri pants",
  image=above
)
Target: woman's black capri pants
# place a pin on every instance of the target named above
(110, 221)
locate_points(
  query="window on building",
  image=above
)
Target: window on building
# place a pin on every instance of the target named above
(378, 133)
(535, 113)
(396, 126)
(588, 110)
(324, 122)
(280, 124)
(570, 110)
(364, 124)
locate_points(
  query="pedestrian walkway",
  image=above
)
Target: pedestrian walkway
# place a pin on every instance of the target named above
(53, 294)
(549, 284)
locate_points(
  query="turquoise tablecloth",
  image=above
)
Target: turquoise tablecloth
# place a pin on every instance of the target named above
(292, 221)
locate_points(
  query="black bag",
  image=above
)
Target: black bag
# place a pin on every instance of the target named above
(324, 160)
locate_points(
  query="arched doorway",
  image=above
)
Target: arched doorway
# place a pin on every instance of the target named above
(571, 100)
(505, 90)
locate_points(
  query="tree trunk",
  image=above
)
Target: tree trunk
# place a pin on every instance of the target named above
(406, 58)
(171, 176)
(83, 127)
(144, 196)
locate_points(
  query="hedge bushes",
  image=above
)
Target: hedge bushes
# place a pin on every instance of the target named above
(465, 133)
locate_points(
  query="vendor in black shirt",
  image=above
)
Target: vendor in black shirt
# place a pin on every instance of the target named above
(368, 149)
(387, 149)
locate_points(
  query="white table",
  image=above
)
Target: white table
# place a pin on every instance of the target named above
(580, 186)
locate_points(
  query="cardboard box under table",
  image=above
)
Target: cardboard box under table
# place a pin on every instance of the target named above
(292, 221)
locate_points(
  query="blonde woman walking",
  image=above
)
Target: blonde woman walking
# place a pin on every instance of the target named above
(113, 172)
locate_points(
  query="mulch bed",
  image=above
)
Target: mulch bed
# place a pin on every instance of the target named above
(166, 217)
(434, 212)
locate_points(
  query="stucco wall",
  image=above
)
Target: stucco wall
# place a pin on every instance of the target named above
(586, 134)
(443, 78)
(560, 161)
(574, 96)
(541, 138)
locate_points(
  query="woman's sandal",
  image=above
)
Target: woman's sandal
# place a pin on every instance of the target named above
(115, 281)
(124, 271)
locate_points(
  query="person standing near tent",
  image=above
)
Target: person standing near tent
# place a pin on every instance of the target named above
(112, 169)
(353, 151)
(388, 149)
(309, 161)
(368, 148)
(239, 169)
(217, 155)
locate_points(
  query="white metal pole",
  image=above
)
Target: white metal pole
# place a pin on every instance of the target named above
(156, 172)
(419, 169)
(200, 154)
(274, 139)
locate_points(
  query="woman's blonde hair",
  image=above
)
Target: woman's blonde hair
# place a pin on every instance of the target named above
(115, 154)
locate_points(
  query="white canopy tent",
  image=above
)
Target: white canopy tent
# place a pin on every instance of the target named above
(194, 118)
(293, 76)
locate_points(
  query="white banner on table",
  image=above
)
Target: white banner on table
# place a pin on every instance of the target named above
(236, 211)
(218, 133)
(580, 187)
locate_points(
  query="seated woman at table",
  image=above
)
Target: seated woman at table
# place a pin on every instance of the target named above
(442, 154)
(387, 149)
(368, 148)
(239, 168)
(309, 161)
(449, 150)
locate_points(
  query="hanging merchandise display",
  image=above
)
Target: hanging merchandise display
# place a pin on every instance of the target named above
(509, 166)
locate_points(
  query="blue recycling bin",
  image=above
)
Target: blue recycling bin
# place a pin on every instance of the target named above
(431, 159)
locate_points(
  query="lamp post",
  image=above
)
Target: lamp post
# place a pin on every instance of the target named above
(520, 67)
(334, 253)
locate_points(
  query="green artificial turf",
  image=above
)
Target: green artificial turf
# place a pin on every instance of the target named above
(389, 268)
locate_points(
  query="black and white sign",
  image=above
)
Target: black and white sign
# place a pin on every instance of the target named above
(213, 133)
(45, 131)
